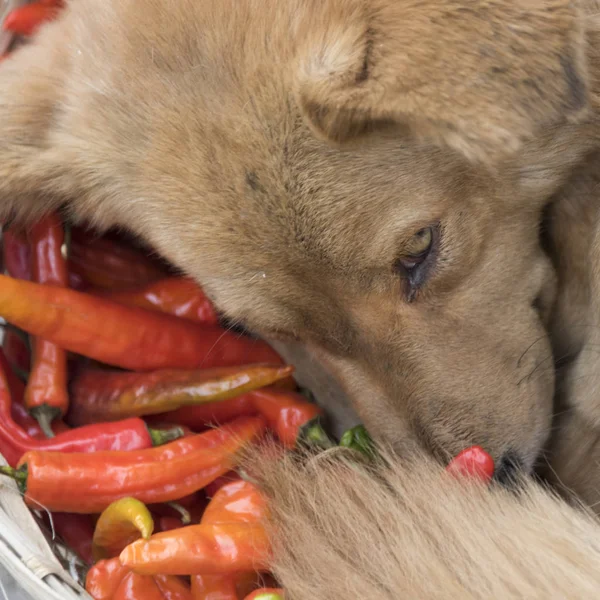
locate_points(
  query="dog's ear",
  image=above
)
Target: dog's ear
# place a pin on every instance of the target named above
(479, 76)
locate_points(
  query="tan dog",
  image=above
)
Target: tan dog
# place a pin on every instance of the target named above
(366, 176)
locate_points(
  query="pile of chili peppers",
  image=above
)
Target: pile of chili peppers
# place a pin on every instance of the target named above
(124, 403)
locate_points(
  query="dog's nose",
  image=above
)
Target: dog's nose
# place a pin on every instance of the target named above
(508, 469)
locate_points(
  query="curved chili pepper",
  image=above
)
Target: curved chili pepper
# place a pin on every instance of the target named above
(99, 394)
(104, 578)
(473, 462)
(16, 254)
(88, 483)
(266, 594)
(222, 548)
(121, 523)
(212, 488)
(178, 296)
(26, 19)
(131, 338)
(46, 395)
(236, 502)
(76, 531)
(285, 412)
(109, 264)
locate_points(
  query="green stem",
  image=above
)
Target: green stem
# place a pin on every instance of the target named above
(313, 435)
(186, 518)
(164, 436)
(44, 415)
(19, 475)
(358, 439)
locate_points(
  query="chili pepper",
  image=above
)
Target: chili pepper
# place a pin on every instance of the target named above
(26, 19)
(214, 587)
(131, 338)
(201, 549)
(473, 462)
(17, 254)
(109, 264)
(121, 523)
(173, 588)
(16, 350)
(168, 523)
(76, 531)
(88, 483)
(266, 594)
(46, 395)
(99, 394)
(212, 488)
(178, 296)
(104, 578)
(236, 502)
(285, 412)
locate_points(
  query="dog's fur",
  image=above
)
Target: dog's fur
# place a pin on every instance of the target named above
(285, 153)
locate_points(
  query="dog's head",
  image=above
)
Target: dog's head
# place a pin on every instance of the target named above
(365, 176)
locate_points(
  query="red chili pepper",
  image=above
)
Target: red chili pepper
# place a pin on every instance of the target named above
(17, 254)
(76, 531)
(168, 524)
(88, 483)
(99, 394)
(131, 338)
(109, 264)
(26, 19)
(266, 594)
(214, 587)
(104, 578)
(286, 412)
(17, 350)
(176, 296)
(46, 395)
(141, 587)
(473, 462)
(173, 588)
(212, 488)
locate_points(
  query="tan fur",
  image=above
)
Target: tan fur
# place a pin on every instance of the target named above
(411, 531)
(284, 152)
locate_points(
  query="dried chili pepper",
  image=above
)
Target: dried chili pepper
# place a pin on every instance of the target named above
(473, 462)
(16, 254)
(178, 296)
(76, 531)
(99, 394)
(109, 264)
(104, 578)
(121, 523)
(26, 19)
(222, 548)
(131, 338)
(88, 483)
(286, 412)
(266, 594)
(46, 395)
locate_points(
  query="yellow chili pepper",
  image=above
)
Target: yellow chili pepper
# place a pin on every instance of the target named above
(121, 523)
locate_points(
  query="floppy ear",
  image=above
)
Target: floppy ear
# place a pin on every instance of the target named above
(479, 76)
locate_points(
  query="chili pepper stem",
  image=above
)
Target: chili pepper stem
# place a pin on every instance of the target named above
(160, 437)
(44, 415)
(19, 475)
(358, 439)
(313, 435)
(186, 518)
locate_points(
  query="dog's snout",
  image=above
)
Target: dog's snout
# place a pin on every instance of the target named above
(507, 469)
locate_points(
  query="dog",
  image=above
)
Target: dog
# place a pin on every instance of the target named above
(361, 179)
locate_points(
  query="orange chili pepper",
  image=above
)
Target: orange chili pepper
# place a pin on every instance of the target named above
(214, 587)
(89, 482)
(138, 587)
(104, 578)
(222, 548)
(212, 488)
(266, 594)
(236, 502)
(131, 338)
(99, 394)
(46, 395)
(109, 264)
(178, 296)
(121, 523)
(173, 588)
(286, 412)
(26, 19)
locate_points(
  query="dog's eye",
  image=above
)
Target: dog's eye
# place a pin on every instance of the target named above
(415, 262)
